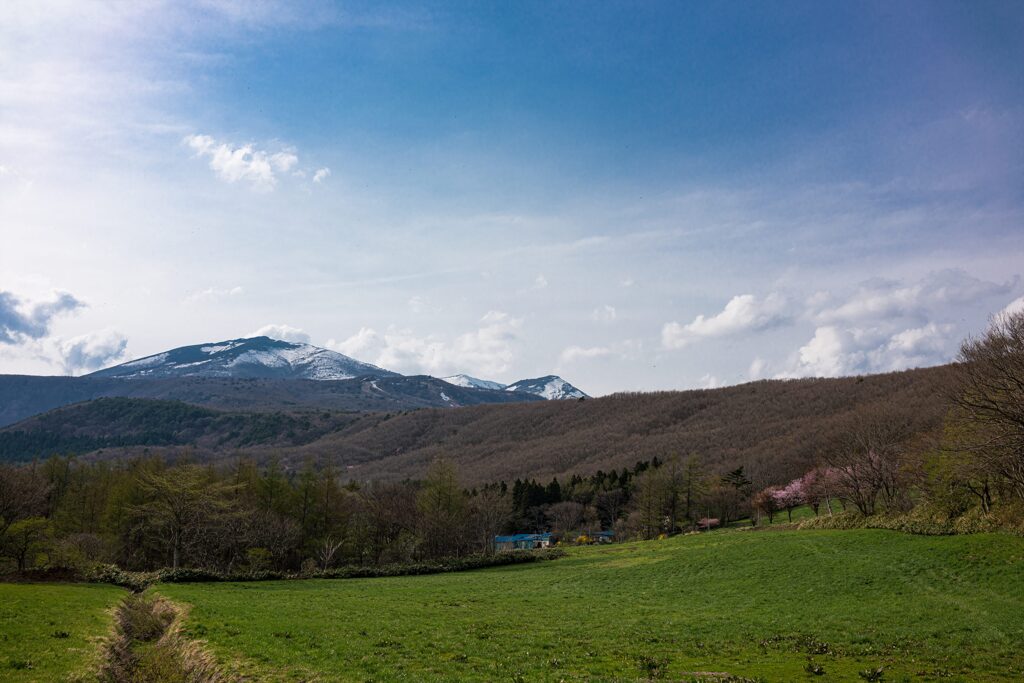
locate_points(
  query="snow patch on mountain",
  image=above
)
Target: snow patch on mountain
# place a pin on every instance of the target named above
(551, 387)
(255, 357)
(473, 383)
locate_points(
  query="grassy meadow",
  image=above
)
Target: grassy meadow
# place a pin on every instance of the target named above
(768, 605)
(52, 632)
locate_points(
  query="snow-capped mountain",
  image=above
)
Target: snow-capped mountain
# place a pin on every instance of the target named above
(473, 383)
(266, 358)
(550, 387)
(254, 357)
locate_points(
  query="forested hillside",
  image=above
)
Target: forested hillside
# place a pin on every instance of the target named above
(776, 429)
(22, 396)
(120, 422)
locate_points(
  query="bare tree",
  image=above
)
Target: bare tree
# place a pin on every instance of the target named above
(23, 493)
(989, 396)
(565, 516)
(866, 460)
(490, 511)
(329, 547)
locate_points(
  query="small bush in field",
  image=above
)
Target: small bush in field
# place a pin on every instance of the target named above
(814, 668)
(872, 675)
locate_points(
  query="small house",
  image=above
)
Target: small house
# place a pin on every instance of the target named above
(522, 541)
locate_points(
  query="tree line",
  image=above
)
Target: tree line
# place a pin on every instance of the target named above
(148, 512)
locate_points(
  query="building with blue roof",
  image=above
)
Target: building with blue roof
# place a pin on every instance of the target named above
(522, 541)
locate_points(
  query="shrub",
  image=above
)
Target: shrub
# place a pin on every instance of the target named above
(110, 573)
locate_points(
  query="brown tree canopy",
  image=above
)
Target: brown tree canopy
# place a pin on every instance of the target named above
(989, 395)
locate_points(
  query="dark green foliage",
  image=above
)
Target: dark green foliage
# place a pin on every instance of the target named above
(122, 422)
(112, 574)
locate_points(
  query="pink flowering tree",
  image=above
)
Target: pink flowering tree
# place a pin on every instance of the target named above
(790, 496)
(820, 486)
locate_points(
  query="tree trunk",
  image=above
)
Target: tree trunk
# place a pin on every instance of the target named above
(177, 550)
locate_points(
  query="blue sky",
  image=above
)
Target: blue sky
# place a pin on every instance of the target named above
(635, 196)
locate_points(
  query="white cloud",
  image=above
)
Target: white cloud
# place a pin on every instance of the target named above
(709, 381)
(880, 299)
(835, 351)
(243, 163)
(321, 175)
(421, 304)
(758, 368)
(540, 282)
(360, 345)
(91, 351)
(487, 351)
(917, 347)
(214, 293)
(603, 314)
(574, 353)
(1015, 306)
(282, 332)
(743, 313)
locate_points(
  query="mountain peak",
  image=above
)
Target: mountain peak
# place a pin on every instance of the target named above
(551, 387)
(249, 358)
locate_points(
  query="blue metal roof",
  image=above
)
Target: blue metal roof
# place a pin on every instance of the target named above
(522, 537)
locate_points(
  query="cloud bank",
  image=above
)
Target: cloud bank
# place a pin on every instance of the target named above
(488, 351)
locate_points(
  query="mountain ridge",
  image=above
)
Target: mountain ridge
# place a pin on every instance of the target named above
(246, 358)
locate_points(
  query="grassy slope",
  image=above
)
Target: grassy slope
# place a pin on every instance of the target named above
(747, 603)
(33, 618)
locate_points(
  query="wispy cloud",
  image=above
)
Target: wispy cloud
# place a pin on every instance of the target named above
(572, 354)
(743, 313)
(604, 314)
(215, 293)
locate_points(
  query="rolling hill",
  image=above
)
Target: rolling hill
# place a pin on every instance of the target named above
(774, 428)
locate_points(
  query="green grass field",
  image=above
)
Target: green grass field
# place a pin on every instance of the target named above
(752, 604)
(51, 632)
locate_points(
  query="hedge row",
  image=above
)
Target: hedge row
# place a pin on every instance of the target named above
(924, 521)
(138, 581)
